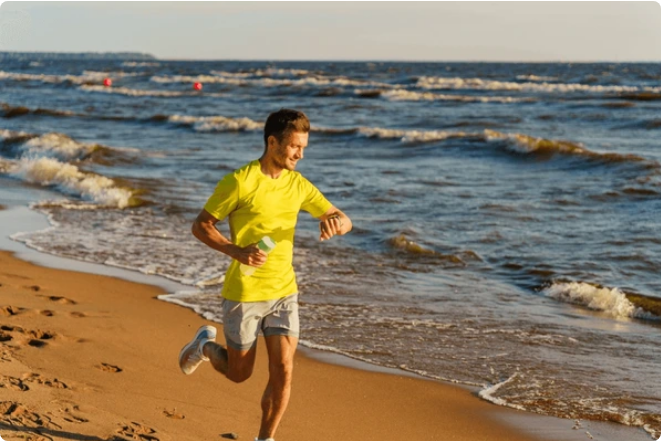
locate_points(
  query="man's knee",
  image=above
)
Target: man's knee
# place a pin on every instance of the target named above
(239, 374)
(281, 371)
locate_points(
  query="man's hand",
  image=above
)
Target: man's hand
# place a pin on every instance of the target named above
(250, 255)
(330, 227)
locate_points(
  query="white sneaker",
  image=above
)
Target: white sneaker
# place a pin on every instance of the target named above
(191, 355)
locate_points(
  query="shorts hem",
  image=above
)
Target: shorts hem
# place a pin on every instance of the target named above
(240, 347)
(277, 331)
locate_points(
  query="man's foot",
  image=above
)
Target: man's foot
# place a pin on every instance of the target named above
(191, 356)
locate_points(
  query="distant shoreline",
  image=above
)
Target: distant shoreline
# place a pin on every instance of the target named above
(77, 55)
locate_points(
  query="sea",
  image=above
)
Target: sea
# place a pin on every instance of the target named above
(506, 215)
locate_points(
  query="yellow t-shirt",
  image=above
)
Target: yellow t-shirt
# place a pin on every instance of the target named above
(259, 206)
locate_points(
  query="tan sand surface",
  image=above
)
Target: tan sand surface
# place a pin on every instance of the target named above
(88, 357)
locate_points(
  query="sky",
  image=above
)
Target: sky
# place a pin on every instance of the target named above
(397, 31)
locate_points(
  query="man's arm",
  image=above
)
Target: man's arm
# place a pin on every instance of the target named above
(204, 229)
(333, 222)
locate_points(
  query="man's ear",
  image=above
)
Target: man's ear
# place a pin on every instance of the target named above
(272, 142)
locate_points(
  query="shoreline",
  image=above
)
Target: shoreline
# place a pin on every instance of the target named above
(428, 394)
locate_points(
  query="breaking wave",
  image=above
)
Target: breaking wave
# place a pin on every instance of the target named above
(526, 144)
(142, 92)
(406, 95)
(69, 179)
(241, 79)
(217, 123)
(481, 84)
(44, 160)
(87, 77)
(612, 301)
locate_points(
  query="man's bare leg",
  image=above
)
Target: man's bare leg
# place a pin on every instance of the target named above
(236, 365)
(281, 351)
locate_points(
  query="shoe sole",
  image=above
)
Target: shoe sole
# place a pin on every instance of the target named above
(194, 342)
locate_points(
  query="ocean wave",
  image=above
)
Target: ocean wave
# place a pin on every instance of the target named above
(70, 179)
(526, 144)
(140, 92)
(266, 82)
(410, 136)
(217, 123)
(270, 72)
(50, 145)
(481, 84)
(17, 111)
(406, 95)
(133, 64)
(87, 77)
(612, 301)
(402, 243)
(535, 78)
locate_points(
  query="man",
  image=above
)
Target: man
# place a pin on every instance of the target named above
(262, 198)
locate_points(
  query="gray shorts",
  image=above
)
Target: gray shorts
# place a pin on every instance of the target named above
(242, 321)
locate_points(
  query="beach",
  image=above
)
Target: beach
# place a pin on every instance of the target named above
(89, 357)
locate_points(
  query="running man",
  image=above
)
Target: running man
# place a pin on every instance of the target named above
(262, 198)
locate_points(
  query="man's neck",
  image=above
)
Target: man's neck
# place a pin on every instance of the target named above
(269, 168)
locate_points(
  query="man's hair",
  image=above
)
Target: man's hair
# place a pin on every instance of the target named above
(283, 122)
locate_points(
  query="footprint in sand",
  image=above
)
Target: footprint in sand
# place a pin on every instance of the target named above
(13, 413)
(77, 315)
(173, 414)
(136, 431)
(69, 416)
(10, 310)
(35, 338)
(39, 379)
(13, 383)
(59, 299)
(46, 312)
(108, 367)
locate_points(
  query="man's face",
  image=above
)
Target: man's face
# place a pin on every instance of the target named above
(287, 154)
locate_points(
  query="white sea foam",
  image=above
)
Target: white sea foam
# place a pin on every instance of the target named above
(218, 123)
(87, 76)
(478, 83)
(267, 82)
(5, 134)
(49, 171)
(612, 301)
(133, 64)
(133, 92)
(408, 136)
(535, 78)
(263, 72)
(488, 394)
(406, 95)
(101, 75)
(55, 145)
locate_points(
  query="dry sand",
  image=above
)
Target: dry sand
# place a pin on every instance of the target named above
(93, 357)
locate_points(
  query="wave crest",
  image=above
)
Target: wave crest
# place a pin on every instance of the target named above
(612, 301)
(49, 171)
(218, 123)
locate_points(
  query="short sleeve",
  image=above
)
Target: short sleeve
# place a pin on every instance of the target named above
(314, 201)
(225, 198)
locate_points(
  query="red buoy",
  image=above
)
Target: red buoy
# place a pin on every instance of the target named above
(107, 82)
(197, 86)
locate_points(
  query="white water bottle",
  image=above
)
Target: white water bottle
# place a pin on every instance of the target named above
(266, 245)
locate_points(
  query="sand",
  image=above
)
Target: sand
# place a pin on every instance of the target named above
(92, 357)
